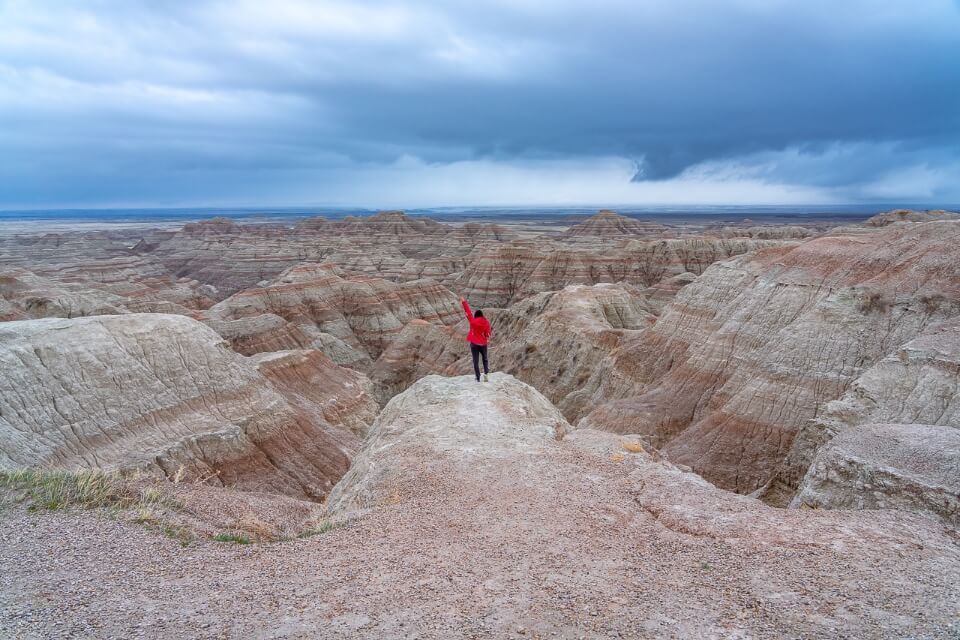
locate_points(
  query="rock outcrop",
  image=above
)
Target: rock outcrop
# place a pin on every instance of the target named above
(911, 467)
(105, 287)
(662, 293)
(442, 419)
(389, 245)
(894, 400)
(766, 232)
(329, 394)
(164, 394)
(758, 345)
(25, 295)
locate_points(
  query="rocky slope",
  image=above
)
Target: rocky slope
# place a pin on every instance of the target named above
(25, 295)
(353, 318)
(890, 439)
(758, 345)
(164, 394)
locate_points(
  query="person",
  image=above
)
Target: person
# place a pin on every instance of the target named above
(479, 334)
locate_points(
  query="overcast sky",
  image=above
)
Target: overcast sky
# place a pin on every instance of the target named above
(431, 103)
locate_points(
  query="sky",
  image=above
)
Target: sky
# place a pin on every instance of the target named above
(484, 103)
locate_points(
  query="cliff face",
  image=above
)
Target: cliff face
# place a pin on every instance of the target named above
(758, 345)
(164, 394)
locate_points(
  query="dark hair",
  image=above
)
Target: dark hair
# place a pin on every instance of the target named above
(478, 314)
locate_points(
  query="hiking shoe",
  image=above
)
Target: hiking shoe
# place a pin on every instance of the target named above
(485, 378)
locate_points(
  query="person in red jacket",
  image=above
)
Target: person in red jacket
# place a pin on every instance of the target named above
(478, 336)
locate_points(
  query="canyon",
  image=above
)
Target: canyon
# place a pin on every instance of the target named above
(763, 412)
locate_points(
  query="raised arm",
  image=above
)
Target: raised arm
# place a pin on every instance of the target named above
(466, 308)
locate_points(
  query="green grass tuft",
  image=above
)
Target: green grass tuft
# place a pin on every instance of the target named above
(238, 538)
(323, 527)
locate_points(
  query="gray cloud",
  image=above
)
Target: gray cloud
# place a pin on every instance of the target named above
(238, 101)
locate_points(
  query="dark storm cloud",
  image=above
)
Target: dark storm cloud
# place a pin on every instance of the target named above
(212, 100)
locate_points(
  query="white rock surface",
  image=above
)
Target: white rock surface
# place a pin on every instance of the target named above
(914, 467)
(159, 393)
(451, 418)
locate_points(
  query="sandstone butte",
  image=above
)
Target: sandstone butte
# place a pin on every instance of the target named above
(814, 369)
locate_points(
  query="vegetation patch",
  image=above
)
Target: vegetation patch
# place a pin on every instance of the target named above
(874, 302)
(633, 447)
(321, 528)
(932, 303)
(164, 508)
(237, 538)
(86, 489)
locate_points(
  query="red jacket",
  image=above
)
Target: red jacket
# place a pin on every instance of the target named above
(479, 327)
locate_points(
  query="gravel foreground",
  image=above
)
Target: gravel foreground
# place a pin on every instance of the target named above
(545, 560)
(572, 538)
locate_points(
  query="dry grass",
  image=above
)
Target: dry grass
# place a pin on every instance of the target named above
(167, 508)
(617, 457)
(86, 489)
(260, 529)
(633, 447)
(320, 528)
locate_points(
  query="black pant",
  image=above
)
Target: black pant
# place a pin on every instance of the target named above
(477, 350)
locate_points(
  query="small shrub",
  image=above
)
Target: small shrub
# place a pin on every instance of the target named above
(874, 302)
(238, 538)
(932, 303)
(617, 457)
(530, 348)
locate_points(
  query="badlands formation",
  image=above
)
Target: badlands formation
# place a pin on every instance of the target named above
(695, 430)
